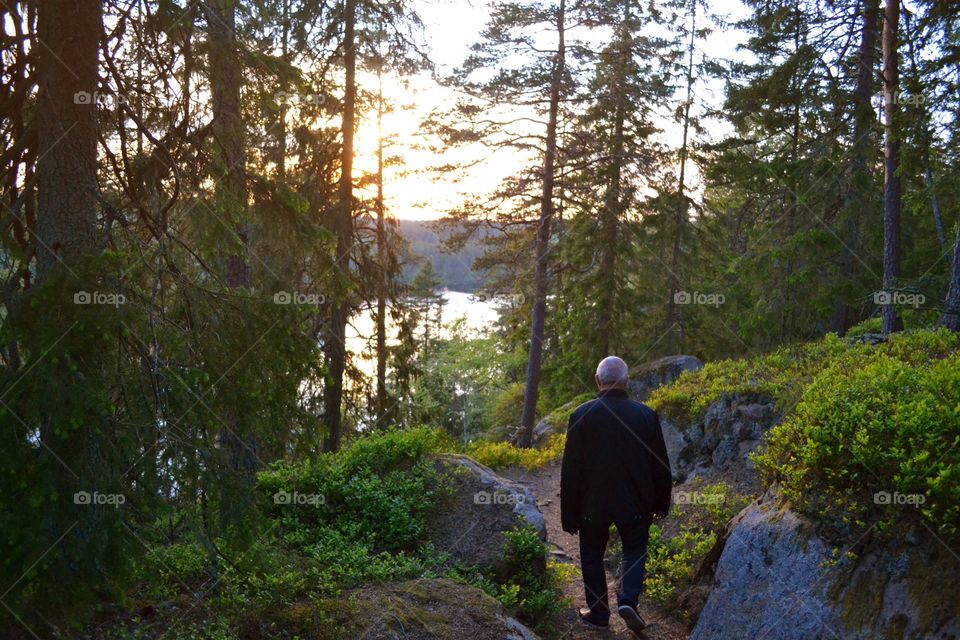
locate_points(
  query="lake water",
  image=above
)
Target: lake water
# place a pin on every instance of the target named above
(478, 314)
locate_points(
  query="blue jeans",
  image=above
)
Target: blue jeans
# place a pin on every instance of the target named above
(593, 544)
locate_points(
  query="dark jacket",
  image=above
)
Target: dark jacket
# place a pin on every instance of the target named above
(615, 465)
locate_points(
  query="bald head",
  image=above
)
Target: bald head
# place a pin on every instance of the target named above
(612, 373)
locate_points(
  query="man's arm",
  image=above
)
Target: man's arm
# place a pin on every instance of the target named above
(570, 471)
(660, 467)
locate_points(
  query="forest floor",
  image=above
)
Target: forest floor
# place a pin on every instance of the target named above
(544, 483)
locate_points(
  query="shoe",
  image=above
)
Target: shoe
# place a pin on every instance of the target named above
(589, 620)
(631, 618)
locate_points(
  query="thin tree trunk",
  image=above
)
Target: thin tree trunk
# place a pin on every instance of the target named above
(228, 131)
(862, 149)
(335, 345)
(891, 164)
(381, 399)
(531, 389)
(674, 310)
(66, 113)
(282, 125)
(927, 140)
(951, 312)
(612, 201)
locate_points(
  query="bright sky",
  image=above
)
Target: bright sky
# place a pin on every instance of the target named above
(450, 27)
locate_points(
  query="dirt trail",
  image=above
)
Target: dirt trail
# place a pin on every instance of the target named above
(544, 483)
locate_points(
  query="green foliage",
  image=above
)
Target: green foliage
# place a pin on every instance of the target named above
(671, 562)
(376, 494)
(503, 455)
(463, 387)
(534, 592)
(874, 438)
(703, 513)
(784, 373)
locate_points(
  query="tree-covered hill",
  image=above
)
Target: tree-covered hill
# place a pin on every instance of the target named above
(454, 268)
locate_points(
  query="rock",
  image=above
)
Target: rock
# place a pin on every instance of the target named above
(646, 377)
(484, 506)
(678, 447)
(754, 411)
(869, 338)
(557, 419)
(712, 445)
(726, 451)
(775, 579)
(424, 609)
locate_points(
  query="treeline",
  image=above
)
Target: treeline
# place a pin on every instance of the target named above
(822, 192)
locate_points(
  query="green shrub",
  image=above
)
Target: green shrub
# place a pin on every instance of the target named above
(876, 427)
(785, 373)
(534, 592)
(671, 562)
(503, 455)
(703, 512)
(376, 493)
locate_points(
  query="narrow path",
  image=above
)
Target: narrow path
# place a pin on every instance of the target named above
(544, 483)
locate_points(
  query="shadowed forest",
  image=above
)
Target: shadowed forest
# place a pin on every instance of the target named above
(237, 400)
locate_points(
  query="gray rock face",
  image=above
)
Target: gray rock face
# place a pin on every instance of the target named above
(646, 377)
(721, 440)
(774, 580)
(484, 506)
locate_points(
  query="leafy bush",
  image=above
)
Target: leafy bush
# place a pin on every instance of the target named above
(785, 373)
(671, 562)
(874, 439)
(503, 455)
(703, 513)
(376, 493)
(534, 593)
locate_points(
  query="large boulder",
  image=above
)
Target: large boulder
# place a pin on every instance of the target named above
(484, 506)
(776, 578)
(425, 609)
(648, 376)
(718, 443)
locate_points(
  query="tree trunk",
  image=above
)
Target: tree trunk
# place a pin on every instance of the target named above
(531, 389)
(861, 154)
(951, 312)
(612, 200)
(891, 165)
(228, 131)
(66, 113)
(335, 346)
(674, 310)
(230, 196)
(381, 399)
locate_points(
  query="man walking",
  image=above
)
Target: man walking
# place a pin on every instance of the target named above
(615, 471)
